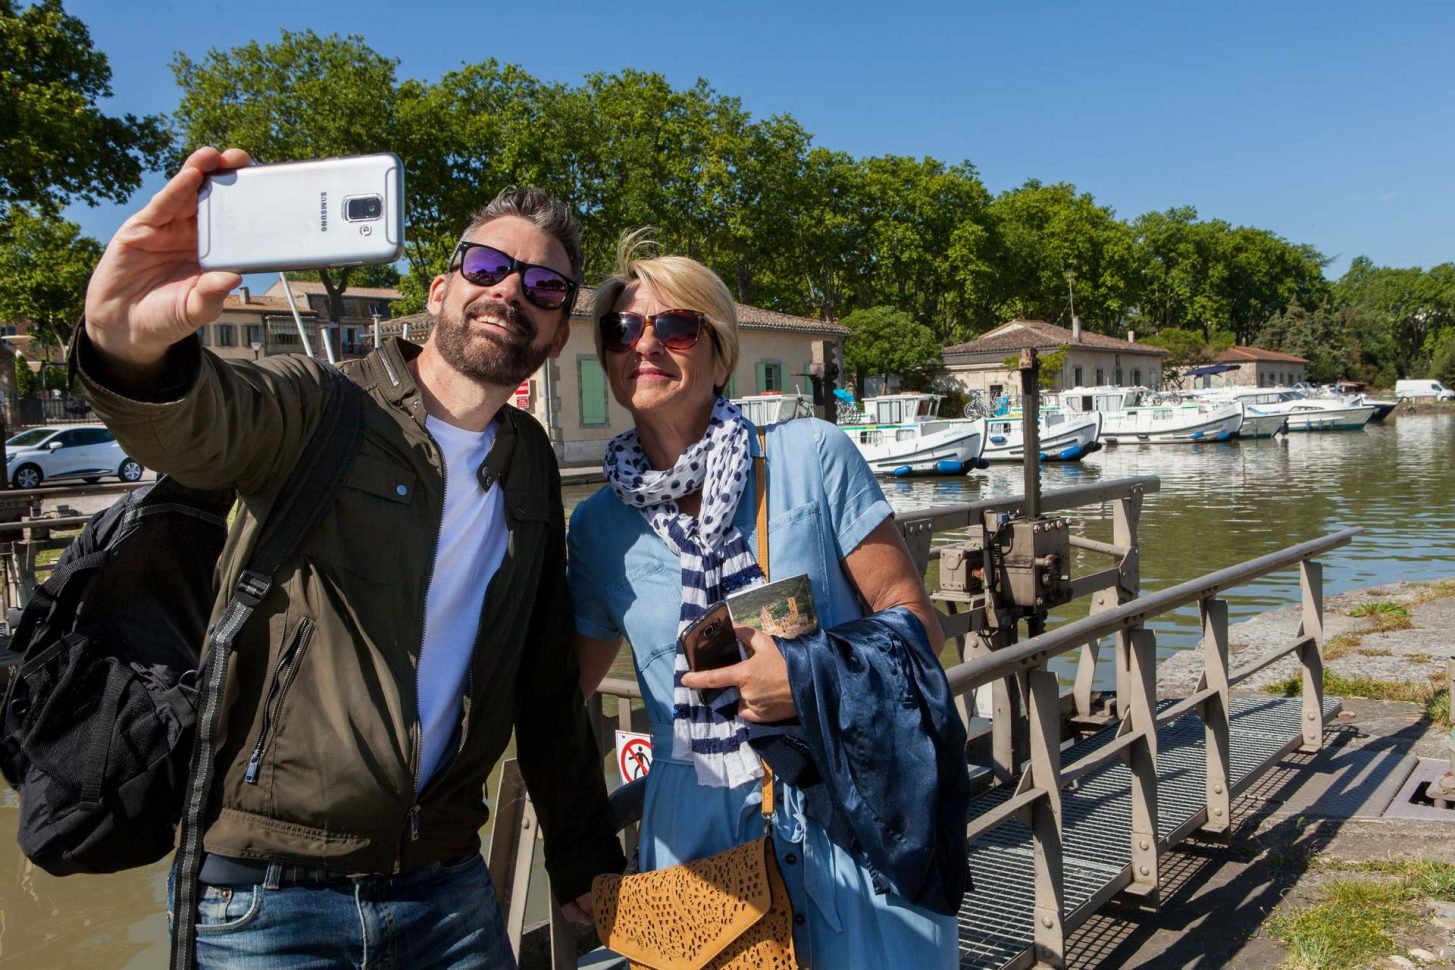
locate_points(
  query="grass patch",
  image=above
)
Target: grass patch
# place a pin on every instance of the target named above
(1437, 707)
(1384, 615)
(1375, 652)
(1341, 686)
(1419, 658)
(1440, 589)
(1336, 647)
(1353, 922)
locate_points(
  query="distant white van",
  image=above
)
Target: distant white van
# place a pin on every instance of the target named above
(1416, 389)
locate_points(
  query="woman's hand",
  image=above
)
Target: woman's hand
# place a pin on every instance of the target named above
(761, 680)
(148, 292)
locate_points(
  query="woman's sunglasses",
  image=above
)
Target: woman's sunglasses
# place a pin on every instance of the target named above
(487, 266)
(675, 329)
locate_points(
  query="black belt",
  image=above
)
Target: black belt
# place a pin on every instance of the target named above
(221, 870)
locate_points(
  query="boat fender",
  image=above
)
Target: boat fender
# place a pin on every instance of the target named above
(997, 439)
(1197, 436)
(1070, 453)
(902, 471)
(1225, 436)
(950, 466)
(1093, 446)
(982, 463)
(1042, 456)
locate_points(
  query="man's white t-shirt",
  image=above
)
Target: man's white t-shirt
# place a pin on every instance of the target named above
(470, 548)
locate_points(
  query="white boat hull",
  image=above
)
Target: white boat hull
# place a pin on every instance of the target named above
(1070, 440)
(1331, 419)
(1197, 428)
(931, 448)
(1261, 425)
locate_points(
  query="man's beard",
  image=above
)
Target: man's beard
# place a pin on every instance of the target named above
(493, 356)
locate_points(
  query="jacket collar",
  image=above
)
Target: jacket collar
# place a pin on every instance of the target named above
(389, 367)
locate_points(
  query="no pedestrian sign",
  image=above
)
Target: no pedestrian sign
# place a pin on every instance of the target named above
(633, 755)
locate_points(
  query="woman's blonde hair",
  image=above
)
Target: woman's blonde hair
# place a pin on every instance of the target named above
(677, 282)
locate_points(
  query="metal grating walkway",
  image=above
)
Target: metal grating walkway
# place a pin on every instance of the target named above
(995, 920)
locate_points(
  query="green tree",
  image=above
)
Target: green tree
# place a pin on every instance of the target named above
(59, 145)
(27, 381)
(304, 97)
(885, 342)
(1208, 275)
(1045, 233)
(1415, 308)
(45, 264)
(1188, 348)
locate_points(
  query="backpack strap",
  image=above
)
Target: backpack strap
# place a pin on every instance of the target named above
(300, 505)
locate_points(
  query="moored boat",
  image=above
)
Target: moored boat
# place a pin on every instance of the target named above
(775, 406)
(1134, 415)
(1061, 437)
(903, 434)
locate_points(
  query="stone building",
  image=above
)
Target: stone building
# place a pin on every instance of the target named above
(351, 336)
(1257, 367)
(1091, 358)
(252, 326)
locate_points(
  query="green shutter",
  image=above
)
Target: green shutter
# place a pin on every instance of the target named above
(593, 392)
(732, 386)
(762, 373)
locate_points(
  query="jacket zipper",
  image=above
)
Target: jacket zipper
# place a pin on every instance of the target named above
(282, 677)
(411, 817)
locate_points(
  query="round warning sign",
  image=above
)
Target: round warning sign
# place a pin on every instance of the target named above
(633, 755)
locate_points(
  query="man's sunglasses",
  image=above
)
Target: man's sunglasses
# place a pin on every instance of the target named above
(675, 329)
(487, 266)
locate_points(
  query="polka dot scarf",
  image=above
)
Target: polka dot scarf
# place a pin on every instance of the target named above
(716, 560)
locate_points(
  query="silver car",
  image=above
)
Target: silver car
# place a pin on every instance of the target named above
(85, 451)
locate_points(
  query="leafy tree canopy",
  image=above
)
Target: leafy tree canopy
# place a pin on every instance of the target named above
(60, 146)
(886, 341)
(45, 264)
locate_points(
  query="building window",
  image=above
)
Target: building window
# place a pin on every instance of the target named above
(770, 376)
(225, 334)
(252, 334)
(1100, 377)
(1076, 375)
(1137, 377)
(592, 381)
(1119, 377)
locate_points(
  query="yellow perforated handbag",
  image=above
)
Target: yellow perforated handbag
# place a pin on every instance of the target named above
(729, 911)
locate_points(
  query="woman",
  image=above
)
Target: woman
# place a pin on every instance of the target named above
(651, 550)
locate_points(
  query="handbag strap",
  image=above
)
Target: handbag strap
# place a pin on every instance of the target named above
(760, 478)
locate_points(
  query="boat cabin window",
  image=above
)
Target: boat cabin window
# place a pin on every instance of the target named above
(927, 407)
(887, 412)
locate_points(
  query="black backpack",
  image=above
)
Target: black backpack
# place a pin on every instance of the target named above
(108, 716)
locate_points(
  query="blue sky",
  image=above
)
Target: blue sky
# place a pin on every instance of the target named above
(1329, 123)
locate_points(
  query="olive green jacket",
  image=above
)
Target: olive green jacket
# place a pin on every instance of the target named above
(321, 691)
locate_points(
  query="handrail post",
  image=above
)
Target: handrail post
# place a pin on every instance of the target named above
(1311, 576)
(1215, 714)
(512, 846)
(1141, 759)
(1126, 514)
(1045, 816)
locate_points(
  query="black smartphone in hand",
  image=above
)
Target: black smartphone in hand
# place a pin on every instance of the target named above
(709, 642)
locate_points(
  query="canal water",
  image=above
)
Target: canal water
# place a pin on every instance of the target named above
(1219, 504)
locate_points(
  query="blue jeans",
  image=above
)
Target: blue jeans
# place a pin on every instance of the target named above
(440, 916)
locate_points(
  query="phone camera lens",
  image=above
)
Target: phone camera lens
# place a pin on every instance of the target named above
(365, 208)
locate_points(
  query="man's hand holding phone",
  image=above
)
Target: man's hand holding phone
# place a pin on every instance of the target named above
(148, 291)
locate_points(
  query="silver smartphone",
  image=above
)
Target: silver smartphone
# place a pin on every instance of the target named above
(302, 215)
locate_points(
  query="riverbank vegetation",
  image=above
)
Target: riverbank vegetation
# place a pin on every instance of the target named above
(1358, 915)
(790, 224)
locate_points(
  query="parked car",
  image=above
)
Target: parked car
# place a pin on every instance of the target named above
(1414, 390)
(85, 451)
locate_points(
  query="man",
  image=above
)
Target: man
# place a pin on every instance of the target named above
(425, 617)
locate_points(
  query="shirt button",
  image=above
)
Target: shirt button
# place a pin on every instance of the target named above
(798, 918)
(790, 858)
(401, 489)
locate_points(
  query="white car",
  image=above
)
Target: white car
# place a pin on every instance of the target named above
(85, 451)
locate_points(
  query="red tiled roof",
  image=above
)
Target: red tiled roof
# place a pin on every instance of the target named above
(263, 304)
(1021, 334)
(1242, 355)
(305, 287)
